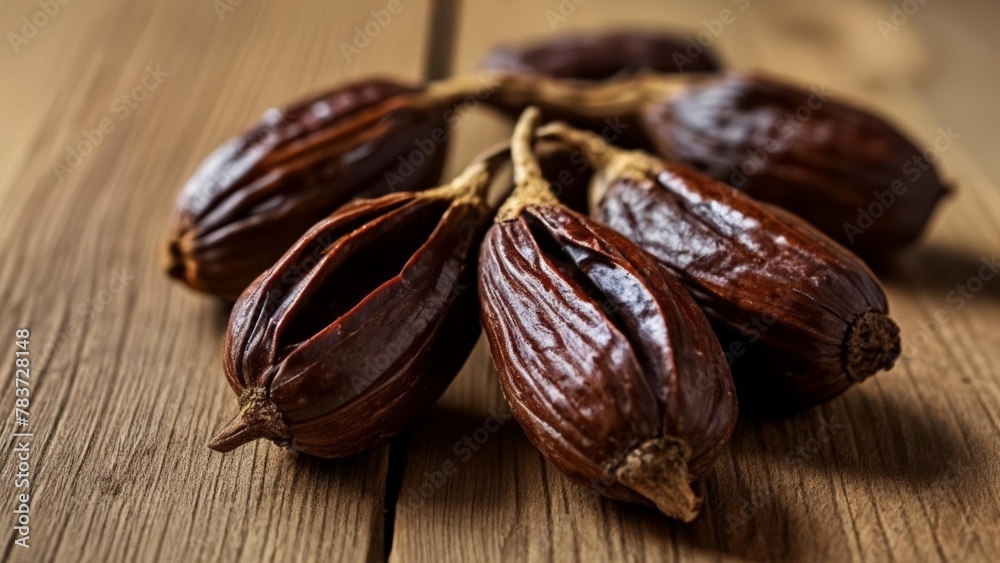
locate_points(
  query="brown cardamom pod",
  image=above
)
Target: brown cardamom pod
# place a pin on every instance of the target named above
(848, 172)
(259, 192)
(361, 324)
(800, 317)
(596, 56)
(606, 361)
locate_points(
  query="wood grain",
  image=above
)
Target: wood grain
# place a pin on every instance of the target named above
(123, 406)
(127, 382)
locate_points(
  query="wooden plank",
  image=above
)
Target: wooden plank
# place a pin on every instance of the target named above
(122, 407)
(901, 468)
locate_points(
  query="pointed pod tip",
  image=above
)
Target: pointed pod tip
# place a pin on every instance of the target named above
(658, 470)
(259, 418)
(233, 435)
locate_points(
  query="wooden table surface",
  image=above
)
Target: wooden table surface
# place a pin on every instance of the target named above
(127, 380)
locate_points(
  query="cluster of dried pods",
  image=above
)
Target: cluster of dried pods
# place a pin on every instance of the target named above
(623, 338)
(846, 171)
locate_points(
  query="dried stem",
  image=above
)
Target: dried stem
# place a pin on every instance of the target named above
(453, 90)
(594, 148)
(616, 98)
(531, 187)
(609, 162)
(511, 91)
(474, 181)
(526, 167)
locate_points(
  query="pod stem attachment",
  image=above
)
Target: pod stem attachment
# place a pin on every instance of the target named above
(177, 262)
(610, 163)
(531, 186)
(511, 91)
(594, 148)
(259, 418)
(872, 344)
(658, 470)
(442, 93)
(472, 183)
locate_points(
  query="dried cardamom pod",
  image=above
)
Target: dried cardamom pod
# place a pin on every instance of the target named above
(800, 317)
(596, 56)
(606, 361)
(848, 172)
(259, 192)
(362, 323)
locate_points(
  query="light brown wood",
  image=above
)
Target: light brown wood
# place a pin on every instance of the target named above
(127, 383)
(122, 410)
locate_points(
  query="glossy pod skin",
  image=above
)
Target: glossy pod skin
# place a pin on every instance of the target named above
(598, 56)
(846, 171)
(259, 192)
(800, 318)
(604, 358)
(359, 326)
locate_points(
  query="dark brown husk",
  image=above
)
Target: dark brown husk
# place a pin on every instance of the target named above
(361, 324)
(259, 192)
(606, 361)
(800, 317)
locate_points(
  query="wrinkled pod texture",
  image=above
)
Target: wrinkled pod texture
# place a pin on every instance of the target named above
(800, 317)
(845, 170)
(259, 192)
(361, 324)
(605, 360)
(602, 55)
